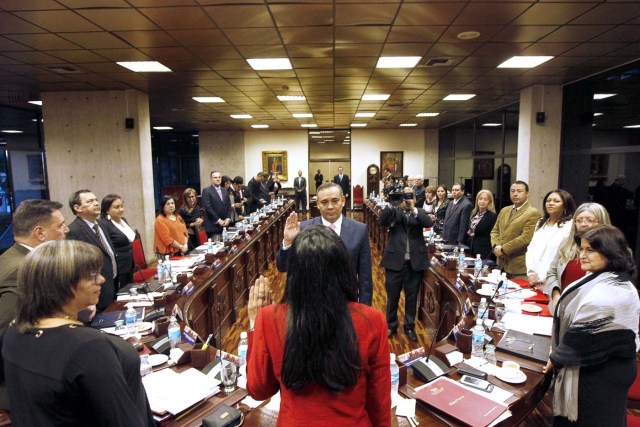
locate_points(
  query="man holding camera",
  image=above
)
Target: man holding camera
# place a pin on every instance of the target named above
(404, 259)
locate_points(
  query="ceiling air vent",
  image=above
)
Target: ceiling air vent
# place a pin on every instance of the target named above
(438, 62)
(63, 69)
(396, 105)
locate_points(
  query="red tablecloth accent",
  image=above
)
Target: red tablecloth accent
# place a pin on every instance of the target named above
(539, 298)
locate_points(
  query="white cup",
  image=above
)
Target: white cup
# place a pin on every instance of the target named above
(511, 369)
(495, 272)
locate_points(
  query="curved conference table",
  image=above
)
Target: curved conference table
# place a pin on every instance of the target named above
(223, 290)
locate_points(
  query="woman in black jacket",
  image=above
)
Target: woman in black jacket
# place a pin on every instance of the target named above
(121, 234)
(483, 218)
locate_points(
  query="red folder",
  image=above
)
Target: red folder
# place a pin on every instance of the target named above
(466, 406)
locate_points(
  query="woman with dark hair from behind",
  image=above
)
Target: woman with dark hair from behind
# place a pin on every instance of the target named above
(121, 234)
(551, 231)
(595, 334)
(327, 354)
(59, 372)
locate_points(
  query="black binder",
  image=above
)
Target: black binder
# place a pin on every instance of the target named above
(532, 347)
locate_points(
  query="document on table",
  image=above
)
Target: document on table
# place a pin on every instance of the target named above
(173, 392)
(531, 325)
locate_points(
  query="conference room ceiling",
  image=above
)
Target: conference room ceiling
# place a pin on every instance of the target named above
(333, 45)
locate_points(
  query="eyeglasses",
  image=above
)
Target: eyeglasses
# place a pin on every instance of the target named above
(587, 221)
(93, 276)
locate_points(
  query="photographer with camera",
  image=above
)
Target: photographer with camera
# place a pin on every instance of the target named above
(404, 258)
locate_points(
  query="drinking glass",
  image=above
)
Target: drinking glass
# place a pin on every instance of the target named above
(229, 374)
(500, 312)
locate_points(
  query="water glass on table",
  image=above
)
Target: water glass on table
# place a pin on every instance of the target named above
(500, 312)
(229, 375)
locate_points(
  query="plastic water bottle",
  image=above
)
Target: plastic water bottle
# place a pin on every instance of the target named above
(174, 332)
(167, 267)
(477, 266)
(224, 234)
(502, 290)
(161, 271)
(477, 340)
(395, 374)
(145, 365)
(131, 321)
(243, 347)
(461, 262)
(209, 246)
(483, 312)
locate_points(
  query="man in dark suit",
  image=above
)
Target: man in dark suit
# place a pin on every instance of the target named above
(255, 196)
(456, 218)
(404, 259)
(418, 189)
(217, 206)
(34, 223)
(300, 196)
(354, 235)
(342, 180)
(89, 229)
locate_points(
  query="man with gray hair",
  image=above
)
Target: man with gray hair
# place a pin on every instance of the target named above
(34, 223)
(418, 189)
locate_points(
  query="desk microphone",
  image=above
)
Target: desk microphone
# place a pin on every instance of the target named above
(430, 369)
(156, 312)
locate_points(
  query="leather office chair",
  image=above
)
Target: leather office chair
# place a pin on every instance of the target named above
(141, 271)
(358, 199)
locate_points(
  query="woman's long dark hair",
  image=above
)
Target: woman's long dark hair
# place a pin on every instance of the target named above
(106, 203)
(321, 345)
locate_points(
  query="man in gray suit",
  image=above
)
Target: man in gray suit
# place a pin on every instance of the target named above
(354, 235)
(456, 218)
(300, 188)
(34, 223)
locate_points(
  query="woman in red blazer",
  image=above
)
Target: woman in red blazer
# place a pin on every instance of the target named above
(327, 354)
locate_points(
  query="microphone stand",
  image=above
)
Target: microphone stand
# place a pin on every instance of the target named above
(430, 369)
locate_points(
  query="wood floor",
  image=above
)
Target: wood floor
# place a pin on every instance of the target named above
(399, 343)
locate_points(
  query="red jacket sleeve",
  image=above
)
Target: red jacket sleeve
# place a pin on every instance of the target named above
(261, 380)
(378, 403)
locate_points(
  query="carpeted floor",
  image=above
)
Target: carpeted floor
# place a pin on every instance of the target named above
(399, 343)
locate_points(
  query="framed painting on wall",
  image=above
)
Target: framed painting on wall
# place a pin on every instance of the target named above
(275, 162)
(392, 160)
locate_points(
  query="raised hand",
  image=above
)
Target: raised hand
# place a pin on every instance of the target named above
(291, 228)
(259, 296)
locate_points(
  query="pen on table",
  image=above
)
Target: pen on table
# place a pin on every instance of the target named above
(206, 343)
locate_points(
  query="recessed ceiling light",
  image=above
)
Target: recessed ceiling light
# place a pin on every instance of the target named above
(309, 125)
(195, 135)
(398, 61)
(346, 142)
(603, 95)
(291, 98)
(207, 99)
(632, 127)
(492, 125)
(358, 125)
(597, 114)
(259, 126)
(259, 64)
(427, 114)
(241, 116)
(11, 131)
(144, 66)
(468, 35)
(458, 97)
(376, 97)
(365, 114)
(408, 125)
(524, 61)
(35, 102)
(162, 127)
(314, 132)
(302, 115)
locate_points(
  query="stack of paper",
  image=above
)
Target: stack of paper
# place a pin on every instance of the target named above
(173, 392)
(538, 325)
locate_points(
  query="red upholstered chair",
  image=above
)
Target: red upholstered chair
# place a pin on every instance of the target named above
(141, 271)
(202, 236)
(358, 199)
(632, 420)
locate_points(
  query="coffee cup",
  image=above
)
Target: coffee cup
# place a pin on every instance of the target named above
(511, 369)
(495, 272)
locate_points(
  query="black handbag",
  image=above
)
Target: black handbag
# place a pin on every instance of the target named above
(224, 416)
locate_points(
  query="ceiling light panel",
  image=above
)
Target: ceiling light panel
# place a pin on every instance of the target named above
(208, 99)
(260, 64)
(458, 97)
(398, 61)
(524, 61)
(144, 66)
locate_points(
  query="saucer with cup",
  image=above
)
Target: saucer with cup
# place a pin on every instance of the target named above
(511, 373)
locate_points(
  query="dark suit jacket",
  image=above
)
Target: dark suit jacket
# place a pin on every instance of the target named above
(121, 246)
(79, 230)
(10, 262)
(215, 208)
(300, 183)
(401, 229)
(254, 193)
(355, 236)
(456, 221)
(273, 188)
(480, 243)
(344, 183)
(420, 196)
